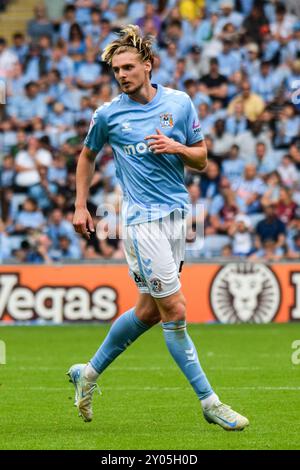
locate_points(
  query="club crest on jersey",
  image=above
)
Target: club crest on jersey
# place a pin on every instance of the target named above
(166, 120)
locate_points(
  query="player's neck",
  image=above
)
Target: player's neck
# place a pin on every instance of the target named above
(145, 94)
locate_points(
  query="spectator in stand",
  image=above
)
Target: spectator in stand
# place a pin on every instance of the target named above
(30, 217)
(40, 25)
(7, 172)
(266, 83)
(229, 15)
(107, 35)
(92, 30)
(28, 163)
(214, 84)
(282, 27)
(76, 44)
(254, 24)
(44, 192)
(251, 63)
(206, 118)
(8, 59)
(270, 228)
(264, 162)
(222, 140)
(120, 15)
(287, 126)
(233, 167)
(229, 59)
(268, 252)
(237, 122)
(58, 227)
(23, 109)
(89, 72)
(35, 63)
(68, 19)
(66, 250)
(223, 209)
(294, 152)
(180, 76)
(249, 190)
(248, 140)
(253, 104)
(19, 47)
(37, 252)
(175, 33)
(240, 231)
(288, 172)
(272, 192)
(293, 46)
(169, 57)
(194, 63)
(150, 14)
(61, 62)
(209, 182)
(159, 74)
(198, 207)
(286, 207)
(136, 10)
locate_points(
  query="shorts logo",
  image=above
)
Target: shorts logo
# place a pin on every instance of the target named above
(139, 280)
(156, 285)
(243, 293)
(166, 120)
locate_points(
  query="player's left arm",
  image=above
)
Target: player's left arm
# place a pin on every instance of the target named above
(194, 155)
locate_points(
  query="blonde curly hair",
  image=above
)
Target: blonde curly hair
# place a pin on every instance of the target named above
(130, 38)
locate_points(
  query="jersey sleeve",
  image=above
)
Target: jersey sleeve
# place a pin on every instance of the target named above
(97, 134)
(193, 128)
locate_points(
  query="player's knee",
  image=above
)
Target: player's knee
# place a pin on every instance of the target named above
(179, 312)
(148, 315)
(175, 309)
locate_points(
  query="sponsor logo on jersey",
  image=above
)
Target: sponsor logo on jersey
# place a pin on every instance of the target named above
(134, 149)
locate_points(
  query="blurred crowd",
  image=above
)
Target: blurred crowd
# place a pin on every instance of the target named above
(239, 61)
(3, 5)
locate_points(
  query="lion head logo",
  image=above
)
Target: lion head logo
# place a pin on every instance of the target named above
(245, 293)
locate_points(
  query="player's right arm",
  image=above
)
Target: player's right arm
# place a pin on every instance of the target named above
(94, 141)
(82, 220)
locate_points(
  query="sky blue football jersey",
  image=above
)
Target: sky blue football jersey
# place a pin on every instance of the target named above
(153, 184)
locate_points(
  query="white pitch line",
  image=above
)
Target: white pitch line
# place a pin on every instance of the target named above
(156, 389)
(136, 368)
(261, 388)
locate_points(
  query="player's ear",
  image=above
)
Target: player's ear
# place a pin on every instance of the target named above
(148, 66)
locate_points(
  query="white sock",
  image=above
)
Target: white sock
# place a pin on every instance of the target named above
(210, 401)
(90, 373)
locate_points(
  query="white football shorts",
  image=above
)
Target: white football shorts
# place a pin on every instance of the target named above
(155, 254)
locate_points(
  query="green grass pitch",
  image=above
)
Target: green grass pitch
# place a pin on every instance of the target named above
(147, 402)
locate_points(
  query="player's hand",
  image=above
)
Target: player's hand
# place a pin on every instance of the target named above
(160, 143)
(83, 222)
